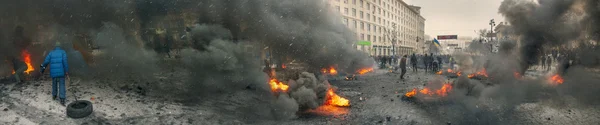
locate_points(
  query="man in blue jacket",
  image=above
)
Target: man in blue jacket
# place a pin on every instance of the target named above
(59, 68)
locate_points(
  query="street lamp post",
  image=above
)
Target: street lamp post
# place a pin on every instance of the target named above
(492, 24)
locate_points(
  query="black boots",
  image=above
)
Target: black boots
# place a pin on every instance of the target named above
(62, 101)
(53, 97)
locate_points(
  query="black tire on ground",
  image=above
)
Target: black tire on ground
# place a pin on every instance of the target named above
(79, 109)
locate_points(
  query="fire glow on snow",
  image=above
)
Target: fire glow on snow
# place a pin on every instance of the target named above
(557, 79)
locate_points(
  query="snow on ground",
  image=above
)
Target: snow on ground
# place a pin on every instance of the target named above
(375, 97)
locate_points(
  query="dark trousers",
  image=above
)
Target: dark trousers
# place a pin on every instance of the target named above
(403, 72)
(414, 66)
(426, 67)
(59, 83)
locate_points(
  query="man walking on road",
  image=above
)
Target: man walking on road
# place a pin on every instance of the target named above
(413, 62)
(403, 66)
(57, 59)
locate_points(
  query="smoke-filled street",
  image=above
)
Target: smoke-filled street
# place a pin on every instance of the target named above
(536, 62)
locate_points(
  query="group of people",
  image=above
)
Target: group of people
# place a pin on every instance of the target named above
(430, 62)
(547, 60)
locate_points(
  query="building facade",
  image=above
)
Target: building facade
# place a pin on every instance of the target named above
(383, 27)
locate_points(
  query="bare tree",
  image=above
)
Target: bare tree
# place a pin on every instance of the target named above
(391, 34)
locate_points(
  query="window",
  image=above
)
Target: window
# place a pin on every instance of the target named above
(361, 15)
(354, 2)
(362, 26)
(355, 25)
(368, 6)
(346, 11)
(368, 27)
(362, 36)
(345, 21)
(361, 3)
(346, 1)
(337, 8)
(368, 37)
(379, 9)
(368, 17)
(375, 28)
(353, 12)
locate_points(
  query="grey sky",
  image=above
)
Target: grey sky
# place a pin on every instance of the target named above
(457, 17)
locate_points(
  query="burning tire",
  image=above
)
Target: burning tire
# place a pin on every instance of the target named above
(79, 109)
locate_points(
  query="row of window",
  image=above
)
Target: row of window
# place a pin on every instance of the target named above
(407, 20)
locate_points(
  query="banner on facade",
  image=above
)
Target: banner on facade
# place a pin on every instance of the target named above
(443, 37)
(365, 43)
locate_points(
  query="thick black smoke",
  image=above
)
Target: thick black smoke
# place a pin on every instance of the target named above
(567, 26)
(215, 61)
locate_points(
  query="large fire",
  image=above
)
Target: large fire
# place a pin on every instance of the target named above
(335, 100)
(365, 70)
(557, 79)
(439, 72)
(442, 92)
(276, 85)
(27, 59)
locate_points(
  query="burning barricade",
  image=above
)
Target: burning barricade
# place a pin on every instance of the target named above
(326, 100)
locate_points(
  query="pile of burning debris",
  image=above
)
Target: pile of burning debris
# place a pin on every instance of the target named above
(480, 75)
(428, 92)
(332, 72)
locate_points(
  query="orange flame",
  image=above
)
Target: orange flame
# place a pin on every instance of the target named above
(450, 71)
(439, 72)
(27, 59)
(426, 91)
(13, 72)
(483, 73)
(557, 79)
(365, 70)
(411, 93)
(335, 100)
(459, 73)
(446, 88)
(283, 66)
(277, 85)
(331, 71)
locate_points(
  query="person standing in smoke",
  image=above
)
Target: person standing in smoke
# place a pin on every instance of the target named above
(19, 67)
(440, 61)
(549, 63)
(59, 70)
(431, 59)
(403, 66)
(543, 61)
(426, 62)
(413, 62)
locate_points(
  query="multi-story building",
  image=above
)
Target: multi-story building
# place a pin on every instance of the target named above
(383, 27)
